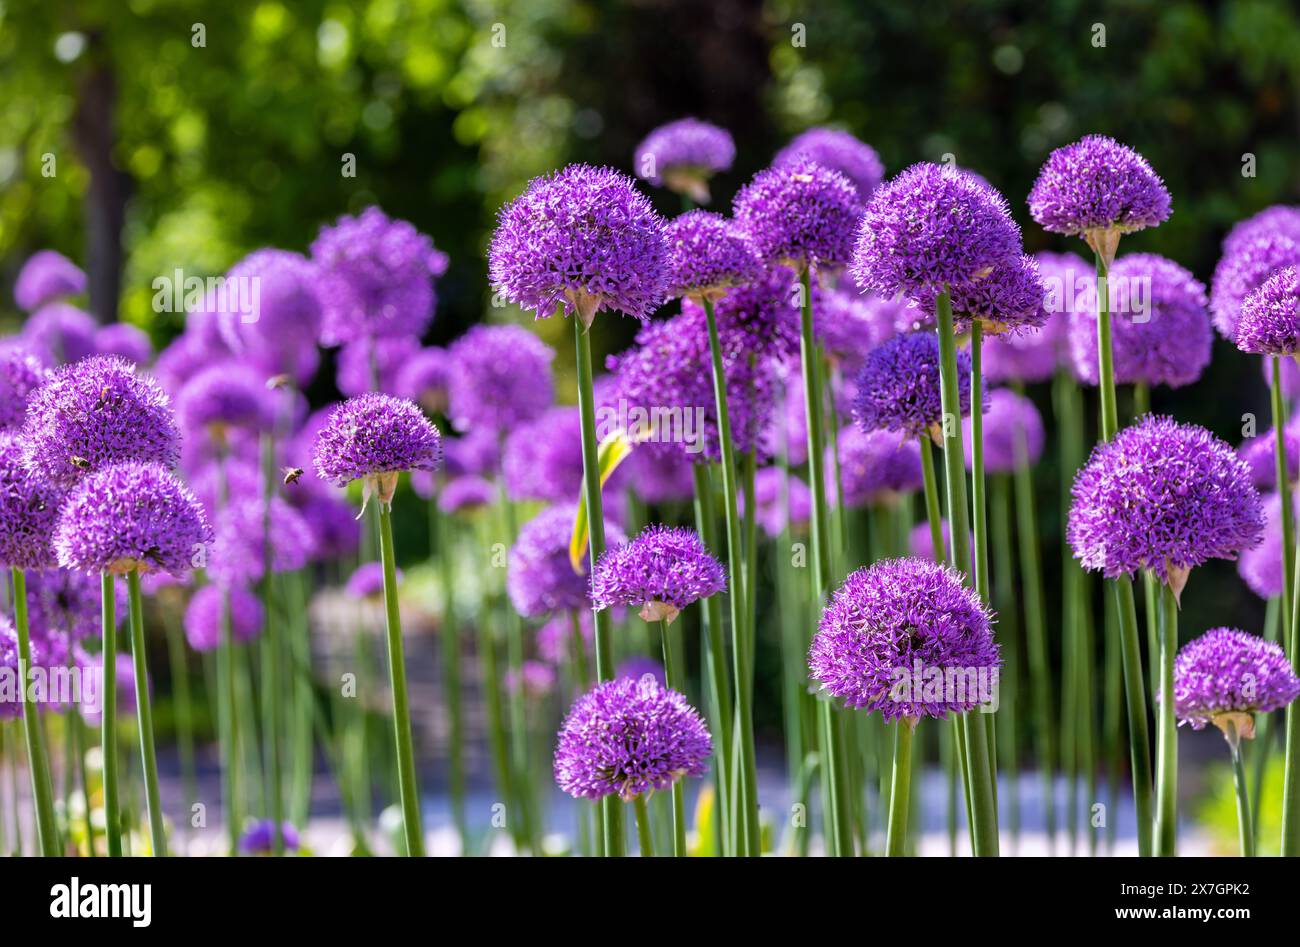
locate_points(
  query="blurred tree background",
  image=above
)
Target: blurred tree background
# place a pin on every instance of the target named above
(139, 136)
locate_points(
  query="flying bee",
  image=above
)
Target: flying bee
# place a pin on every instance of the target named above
(79, 462)
(292, 475)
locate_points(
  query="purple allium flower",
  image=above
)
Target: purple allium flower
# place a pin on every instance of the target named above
(535, 680)
(904, 617)
(1242, 270)
(20, 374)
(1228, 675)
(800, 215)
(683, 155)
(849, 324)
(47, 275)
(1009, 299)
(131, 517)
(628, 738)
(335, 531)
(66, 603)
(875, 466)
(708, 255)
(1069, 284)
(1290, 376)
(367, 580)
(466, 492)
(1260, 454)
(29, 510)
(929, 227)
(555, 637)
(474, 452)
(376, 277)
(898, 386)
(659, 476)
(374, 364)
(1279, 219)
(1164, 497)
(372, 436)
(94, 413)
(1013, 432)
(838, 151)
(583, 238)
(11, 702)
(763, 317)
(181, 358)
(424, 377)
(1097, 186)
(283, 319)
(772, 487)
(203, 616)
(670, 370)
(125, 341)
(1261, 567)
(221, 399)
(240, 546)
(60, 333)
(661, 571)
(540, 577)
(500, 378)
(1270, 316)
(259, 838)
(543, 457)
(638, 667)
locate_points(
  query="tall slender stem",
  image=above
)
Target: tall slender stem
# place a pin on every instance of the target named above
(672, 674)
(1245, 826)
(276, 692)
(611, 809)
(1289, 622)
(1167, 731)
(441, 533)
(38, 764)
(839, 836)
(933, 514)
(900, 789)
(144, 718)
(644, 833)
(108, 716)
(746, 776)
(410, 795)
(1136, 706)
(979, 506)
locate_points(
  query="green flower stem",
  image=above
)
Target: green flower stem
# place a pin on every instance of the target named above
(644, 833)
(750, 528)
(1167, 731)
(397, 676)
(672, 674)
(144, 718)
(979, 777)
(108, 716)
(1290, 625)
(1262, 745)
(515, 697)
(839, 836)
(183, 711)
(1008, 609)
(38, 764)
(745, 801)
(611, 809)
(900, 791)
(1136, 707)
(933, 514)
(274, 690)
(579, 645)
(494, 707)
(442, 533)
(1105, 355)
(1245, 826)
(979, 506)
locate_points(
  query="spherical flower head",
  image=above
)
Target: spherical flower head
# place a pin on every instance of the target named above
(583, 238)
(466, 493)
(1033, 354)
(898, 386)
(221, 400)
(1160, 329)
(839, 151)
(20, 374)
(500, 377)
(543, 457)
(660, 572)
(849, 324)
(375, 277)
(47, 275)
(367, 581)
(708, 255)
(424, 377)
(259, 838)
(1227, 676)
(132, 517)
(875, 466)
(1095, 187)
(1242, 270)
(59, 333)
(1261, 567)
(282, 316)
(1260, 454)
(1013, 432)
(762, 317)
(29, 510)
(660, 476)
(899, 619)
(1009, 299)
(774, 490)
(629, 737)
(1164, 497)
(95, 413)
(66, 603)
(1270, 316)
(203, 616)
(683, 155)
(243, 540)
(932, 227)
(375, 437)
(1279, 219)
(540, 578)
(534, 680)
(126, 341)
(800, 215)
(366, 363)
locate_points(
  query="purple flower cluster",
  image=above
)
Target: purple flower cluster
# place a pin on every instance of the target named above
(59, 333)
(29, 510)
(898, 386)
(1261, 566)
(221, 398)
(1270, 316)
(375, 434)
(374, 364)
(424, 377)
(875, 466)
(1008, 299)
(464, 493)
(774, 490)
(800, 215)
(683, 155)
(243, 540)
(540, 578)
(1164, 497)
(661, 571)
(1097, 184)
(543, 457)
(1013, 432)
(903, 616)
(763, 315)
(848, 325)
(629, 737)
(583, 238)
(708, 255)
(47, 275)
(203, 616)
(1260, 454)
(20, 375)
(500, 378)
(279, 335)
(838, 151)
(1242, 269)
(1228, 672)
